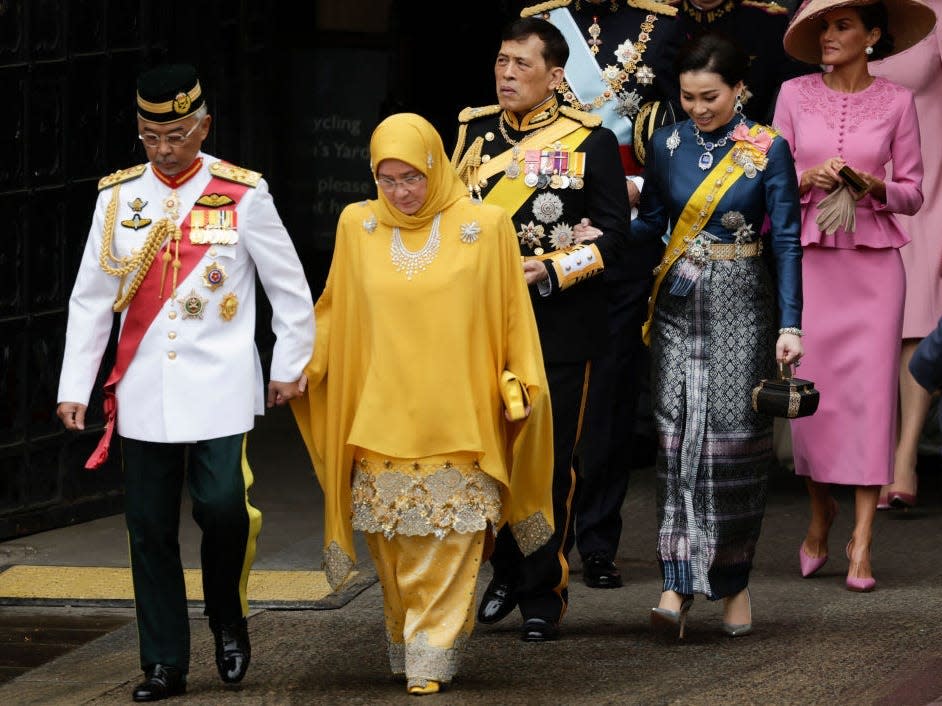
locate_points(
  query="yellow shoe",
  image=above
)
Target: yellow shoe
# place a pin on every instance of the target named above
(426, 686)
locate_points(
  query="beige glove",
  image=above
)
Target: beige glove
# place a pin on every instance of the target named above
(837, 210)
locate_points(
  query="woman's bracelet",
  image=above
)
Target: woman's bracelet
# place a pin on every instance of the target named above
(794, 330)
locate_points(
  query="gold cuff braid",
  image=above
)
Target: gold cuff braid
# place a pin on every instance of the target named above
(575, 264)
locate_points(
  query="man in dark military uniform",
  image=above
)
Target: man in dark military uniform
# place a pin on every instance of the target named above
(176, 245)
(550, 166)
(620, 68)
(758, 27)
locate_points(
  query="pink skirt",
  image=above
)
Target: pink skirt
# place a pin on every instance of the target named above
(853, 320)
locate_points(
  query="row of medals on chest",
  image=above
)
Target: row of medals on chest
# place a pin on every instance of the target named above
(555, 168)
(207, 227)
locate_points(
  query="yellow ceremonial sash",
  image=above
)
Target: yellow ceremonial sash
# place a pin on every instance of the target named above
(691, 214)
(511, 194)
(557, 130)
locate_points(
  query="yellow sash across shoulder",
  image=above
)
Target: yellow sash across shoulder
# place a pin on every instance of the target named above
(695, 213)
(511, 194)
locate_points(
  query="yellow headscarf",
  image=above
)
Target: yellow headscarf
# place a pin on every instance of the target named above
(412, 139)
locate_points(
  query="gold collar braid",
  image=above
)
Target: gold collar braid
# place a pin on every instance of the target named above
(139, 262)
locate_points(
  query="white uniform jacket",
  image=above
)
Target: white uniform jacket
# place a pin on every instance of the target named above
(192, 378)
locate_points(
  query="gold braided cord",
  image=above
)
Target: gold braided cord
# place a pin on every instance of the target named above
(459, 145)
(467, 168)
(543, 7)
(654, 6)
(138, 262)
(163, 229)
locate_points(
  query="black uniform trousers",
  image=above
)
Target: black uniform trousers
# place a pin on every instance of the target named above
(604, 456)
(540, 580)
(218, 477)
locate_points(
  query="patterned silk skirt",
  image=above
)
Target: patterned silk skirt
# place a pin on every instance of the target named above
(708, 350)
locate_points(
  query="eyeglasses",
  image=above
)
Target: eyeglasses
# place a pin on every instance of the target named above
(174, 140)
(408, 183)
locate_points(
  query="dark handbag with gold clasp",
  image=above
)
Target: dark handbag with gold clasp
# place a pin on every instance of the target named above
(786, 396)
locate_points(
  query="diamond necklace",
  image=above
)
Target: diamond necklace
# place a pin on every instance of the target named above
(706, 159)
(413, 261)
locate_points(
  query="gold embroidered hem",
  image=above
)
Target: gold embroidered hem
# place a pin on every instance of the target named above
(425, 661)
(428, 600)
(532, 533)
(337, 565)
(418, 497)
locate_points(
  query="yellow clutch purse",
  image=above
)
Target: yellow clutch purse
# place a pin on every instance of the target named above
(515, 396)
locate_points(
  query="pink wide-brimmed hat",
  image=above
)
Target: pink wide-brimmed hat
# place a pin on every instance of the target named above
(909, 22)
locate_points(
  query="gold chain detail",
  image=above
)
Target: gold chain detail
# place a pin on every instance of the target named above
(614, 80)
(512, 142)
(139, 262)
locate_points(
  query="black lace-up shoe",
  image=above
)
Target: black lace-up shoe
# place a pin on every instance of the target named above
(539, 630)
(497, 602)
(160, 683)
(233, 650)
(598, 571)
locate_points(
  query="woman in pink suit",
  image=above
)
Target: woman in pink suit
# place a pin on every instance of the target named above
(853, 277)
(919, 68)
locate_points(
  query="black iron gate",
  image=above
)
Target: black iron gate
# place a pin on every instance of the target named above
(67, 73)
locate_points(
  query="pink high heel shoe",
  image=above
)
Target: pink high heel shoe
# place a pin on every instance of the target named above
(900, 500)
(810, 565)
(854, 583)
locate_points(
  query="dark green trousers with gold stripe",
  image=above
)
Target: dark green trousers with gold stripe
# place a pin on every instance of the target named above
(218, 477)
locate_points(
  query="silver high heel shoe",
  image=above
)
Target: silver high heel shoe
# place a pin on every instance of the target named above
(734, 630)
(665, 618)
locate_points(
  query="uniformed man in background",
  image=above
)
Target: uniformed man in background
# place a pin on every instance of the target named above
(620, 68)
(175, 245)
(549, 165)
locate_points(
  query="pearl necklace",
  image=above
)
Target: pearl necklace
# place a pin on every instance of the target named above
(410, 261)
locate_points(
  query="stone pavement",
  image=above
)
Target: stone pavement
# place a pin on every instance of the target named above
(814, 641)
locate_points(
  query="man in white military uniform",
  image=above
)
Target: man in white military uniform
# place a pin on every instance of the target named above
(175, 245)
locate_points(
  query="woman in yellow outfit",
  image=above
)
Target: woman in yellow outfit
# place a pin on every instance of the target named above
(426, 347)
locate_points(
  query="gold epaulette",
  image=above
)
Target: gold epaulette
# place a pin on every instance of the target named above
(771, 8)
(469, 114)
(543, 7)
(120, 176)
(231, 172)
(661, 8)
(587, 119)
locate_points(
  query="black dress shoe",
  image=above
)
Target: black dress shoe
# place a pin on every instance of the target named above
(161, 682)
(497, 602)
(539, 630)
(233, 650)
(598, 571)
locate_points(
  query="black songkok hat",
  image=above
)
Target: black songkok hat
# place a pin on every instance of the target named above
(168, 93)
